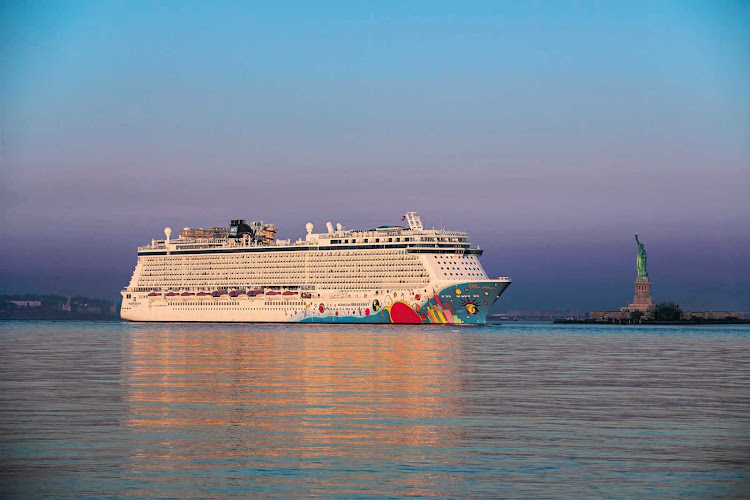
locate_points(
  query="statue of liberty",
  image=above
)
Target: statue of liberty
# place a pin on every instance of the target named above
(641, 260)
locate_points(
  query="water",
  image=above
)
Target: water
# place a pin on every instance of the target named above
(515, 410)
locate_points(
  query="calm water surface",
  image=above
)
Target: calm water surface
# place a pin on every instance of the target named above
(514, 410)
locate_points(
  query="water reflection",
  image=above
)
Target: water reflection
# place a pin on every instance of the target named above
(289, 403)
(522, 410)
(394, 411)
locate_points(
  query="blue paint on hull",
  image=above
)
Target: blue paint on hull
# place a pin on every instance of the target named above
(460, 303)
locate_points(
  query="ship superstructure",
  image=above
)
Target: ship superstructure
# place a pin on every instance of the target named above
(390, 274)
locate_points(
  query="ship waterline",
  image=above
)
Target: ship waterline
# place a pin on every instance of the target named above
(391, 274)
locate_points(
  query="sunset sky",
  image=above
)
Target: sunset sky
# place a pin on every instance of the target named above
(551, 131)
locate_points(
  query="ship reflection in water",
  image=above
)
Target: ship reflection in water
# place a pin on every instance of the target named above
(516, 410)
(344, 409)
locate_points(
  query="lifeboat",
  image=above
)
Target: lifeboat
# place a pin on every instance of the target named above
(172, 294)
(289, 293)
(253, 293)
(305, 295)
(202, 294)
(234, 293)
(187, 294)
(154, 294)
(273, 293)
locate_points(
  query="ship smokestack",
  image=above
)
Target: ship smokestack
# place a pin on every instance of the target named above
(329, 225)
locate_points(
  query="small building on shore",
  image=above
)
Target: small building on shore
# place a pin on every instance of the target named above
(27, 303)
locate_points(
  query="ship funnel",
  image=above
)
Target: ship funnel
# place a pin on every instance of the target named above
(329, 225)
(339, 227)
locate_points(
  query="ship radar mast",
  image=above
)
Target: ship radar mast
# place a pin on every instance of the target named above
(415, 223)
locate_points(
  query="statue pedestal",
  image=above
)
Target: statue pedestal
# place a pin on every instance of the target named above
(642, 299)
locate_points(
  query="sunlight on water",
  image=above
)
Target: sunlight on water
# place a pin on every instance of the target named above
(514, 410)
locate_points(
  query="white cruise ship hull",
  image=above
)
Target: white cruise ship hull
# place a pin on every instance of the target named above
(454, 303)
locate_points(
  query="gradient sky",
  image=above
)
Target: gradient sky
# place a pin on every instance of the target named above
(551, 131)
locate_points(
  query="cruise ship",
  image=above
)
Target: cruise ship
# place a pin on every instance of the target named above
(389, 274)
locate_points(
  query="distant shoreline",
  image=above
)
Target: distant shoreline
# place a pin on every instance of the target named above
(682, 322)
(60, 316)
(36, 307)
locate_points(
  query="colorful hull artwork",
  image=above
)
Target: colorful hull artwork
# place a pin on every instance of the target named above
(462, 303)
